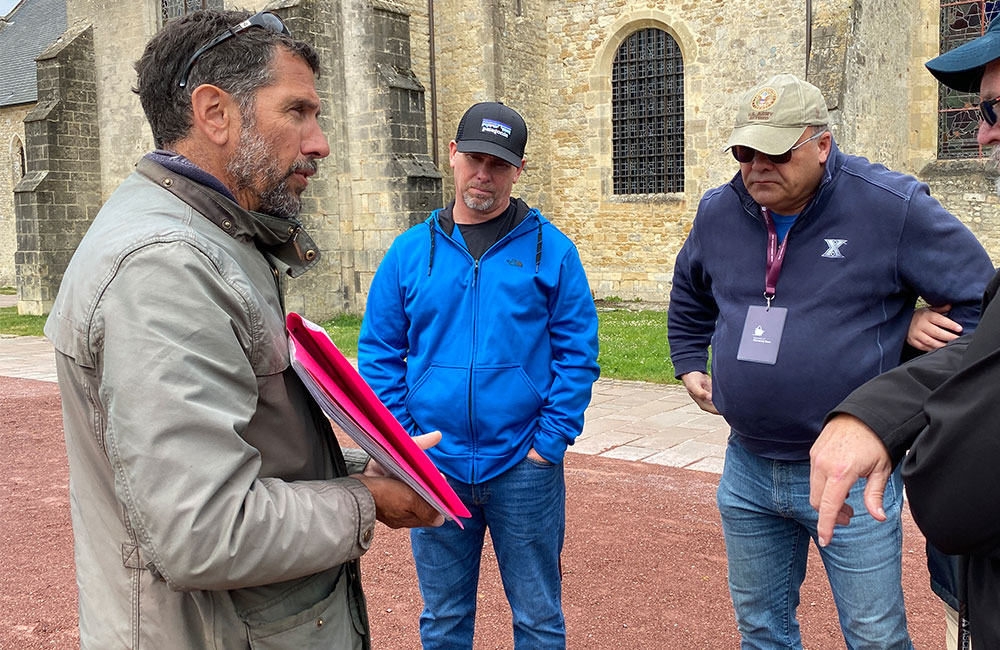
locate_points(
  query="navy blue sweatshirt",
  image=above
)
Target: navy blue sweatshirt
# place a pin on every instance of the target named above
(849, 304)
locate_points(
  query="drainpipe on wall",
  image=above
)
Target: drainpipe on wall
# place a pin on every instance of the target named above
(809, 34)
(433, 73)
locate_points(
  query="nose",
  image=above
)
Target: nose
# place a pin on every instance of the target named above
(989, 134)
(761, 161)
(314, 142)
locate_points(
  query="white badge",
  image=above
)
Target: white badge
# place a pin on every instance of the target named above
(762, 334)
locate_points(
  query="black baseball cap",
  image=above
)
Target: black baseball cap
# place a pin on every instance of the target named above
(962, 68)
(494, 129)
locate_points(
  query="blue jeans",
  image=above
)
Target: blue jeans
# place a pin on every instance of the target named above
(525, 510)
(767, 521)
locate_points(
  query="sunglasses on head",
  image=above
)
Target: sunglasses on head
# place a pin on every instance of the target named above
(263, 19)
(987, 112)
(746, 154)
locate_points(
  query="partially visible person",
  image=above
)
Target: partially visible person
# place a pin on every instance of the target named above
(802, 274)
(480, 324)
(939, 407)
(212, 506)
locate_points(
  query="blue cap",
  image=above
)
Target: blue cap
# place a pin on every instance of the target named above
(963, 67)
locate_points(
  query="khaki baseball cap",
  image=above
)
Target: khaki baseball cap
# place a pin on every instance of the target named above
(773, 115)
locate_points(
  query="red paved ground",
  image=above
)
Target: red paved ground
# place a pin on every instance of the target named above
(644, 560)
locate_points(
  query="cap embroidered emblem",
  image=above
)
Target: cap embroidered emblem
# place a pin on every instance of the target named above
(496, 128)
(764, 99)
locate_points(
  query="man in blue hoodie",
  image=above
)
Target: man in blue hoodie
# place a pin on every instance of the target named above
(480, 324)
(802, 273)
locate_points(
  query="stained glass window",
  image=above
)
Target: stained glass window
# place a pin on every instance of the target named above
(958, 122)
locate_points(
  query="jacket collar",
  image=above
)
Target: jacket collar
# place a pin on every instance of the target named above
(830, 171)
(447, 221)
(289, 248)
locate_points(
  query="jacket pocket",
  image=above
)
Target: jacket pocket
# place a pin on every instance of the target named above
(507, 406)
(439, 401)
(327, 623)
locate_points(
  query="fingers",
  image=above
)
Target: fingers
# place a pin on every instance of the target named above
(427, 440)
(930, 328)
(699, 387)
(875, 495)
(398, 506)
(831, 496)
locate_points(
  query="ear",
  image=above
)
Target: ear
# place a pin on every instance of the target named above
(524, 164)
(452, 152)
(825, 144)
(215, 114)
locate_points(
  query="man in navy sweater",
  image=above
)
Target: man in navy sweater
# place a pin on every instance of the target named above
(802, 273)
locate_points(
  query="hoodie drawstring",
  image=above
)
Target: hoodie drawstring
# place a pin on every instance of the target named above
(430, 261)
(538, 247)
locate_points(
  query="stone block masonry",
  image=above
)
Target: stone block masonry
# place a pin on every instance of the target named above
(60, 194)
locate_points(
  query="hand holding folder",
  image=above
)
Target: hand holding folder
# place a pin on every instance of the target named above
(348, 401)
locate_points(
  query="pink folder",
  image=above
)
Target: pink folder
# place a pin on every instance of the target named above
(350, 402)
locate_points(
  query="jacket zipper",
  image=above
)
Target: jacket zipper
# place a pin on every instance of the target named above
(472, 370)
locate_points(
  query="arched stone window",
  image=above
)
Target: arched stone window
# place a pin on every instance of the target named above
(18, 162)
(958, 118)
(647, 114)
(174, 8)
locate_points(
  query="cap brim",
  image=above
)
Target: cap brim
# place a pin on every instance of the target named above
(767, 139)
(962, 68)
(491, 148)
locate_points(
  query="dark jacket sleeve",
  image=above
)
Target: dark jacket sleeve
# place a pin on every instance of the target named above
(693, 311)
(941, 259)
(952, 468)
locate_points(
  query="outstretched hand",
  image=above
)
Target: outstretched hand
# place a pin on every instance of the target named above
(396, 504)
(846, 450)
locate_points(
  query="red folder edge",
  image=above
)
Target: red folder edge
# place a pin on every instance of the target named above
(342, 383)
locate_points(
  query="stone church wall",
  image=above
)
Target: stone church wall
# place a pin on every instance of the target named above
(11, 143)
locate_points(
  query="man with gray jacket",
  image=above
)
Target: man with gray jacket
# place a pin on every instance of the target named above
(212, 506)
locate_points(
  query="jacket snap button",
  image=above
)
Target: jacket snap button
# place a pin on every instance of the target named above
(167, 182)
(310, 255)
(367, 537)
(227, 224)
(319, 622)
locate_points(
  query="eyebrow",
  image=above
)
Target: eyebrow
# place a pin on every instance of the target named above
(301, 102)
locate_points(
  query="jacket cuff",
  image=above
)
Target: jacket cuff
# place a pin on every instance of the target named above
(550, 446)
(366, 512)
(684, 366)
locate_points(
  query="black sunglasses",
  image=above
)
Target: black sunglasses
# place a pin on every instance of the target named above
(263, 19)
(986, 112)
(746, 154)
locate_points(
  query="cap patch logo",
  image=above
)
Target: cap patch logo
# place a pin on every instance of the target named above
(764, 99)
(496, 128)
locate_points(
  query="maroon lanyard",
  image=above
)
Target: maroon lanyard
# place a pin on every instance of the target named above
(775, 257)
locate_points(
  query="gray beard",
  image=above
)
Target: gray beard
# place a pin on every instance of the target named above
(995, 164)
(479, 206)
(253, 160)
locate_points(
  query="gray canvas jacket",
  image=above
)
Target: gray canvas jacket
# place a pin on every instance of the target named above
(210, 501)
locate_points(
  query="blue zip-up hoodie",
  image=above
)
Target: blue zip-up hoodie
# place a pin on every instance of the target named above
(868, 243)
(499, 355)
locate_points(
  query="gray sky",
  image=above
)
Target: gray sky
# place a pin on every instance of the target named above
(6, 6)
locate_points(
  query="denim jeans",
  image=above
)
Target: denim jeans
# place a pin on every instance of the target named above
(525, 510)
(767, 521)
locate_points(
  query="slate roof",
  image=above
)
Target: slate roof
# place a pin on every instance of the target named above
(31, 27)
